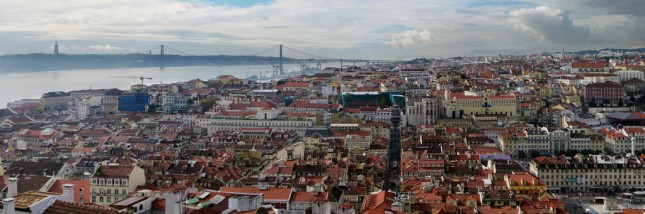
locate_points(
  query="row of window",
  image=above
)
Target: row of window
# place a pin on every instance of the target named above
(108, 191)
(110, 182)
(102, 199)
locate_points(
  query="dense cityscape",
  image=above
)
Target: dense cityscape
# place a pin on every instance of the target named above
(540, 133)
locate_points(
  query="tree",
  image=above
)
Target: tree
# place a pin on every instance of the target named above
(281, 82)
(152, 108)
(593, 103)
(620, 103)
(606, 102)
(382, 103)
(262, 210)
(632, 98)
(206, 104)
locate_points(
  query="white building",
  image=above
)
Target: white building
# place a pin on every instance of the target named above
(421, 110)
(630, 74)
(593, 173)
(174, 102)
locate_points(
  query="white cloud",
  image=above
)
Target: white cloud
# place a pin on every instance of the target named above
(106, 48)
(351, 28)
(411, 38)
(70, 48)
(550, 25)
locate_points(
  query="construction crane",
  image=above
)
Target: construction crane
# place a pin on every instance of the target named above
(134, 77)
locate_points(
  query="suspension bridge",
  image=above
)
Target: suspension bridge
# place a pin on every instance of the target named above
(164, 51)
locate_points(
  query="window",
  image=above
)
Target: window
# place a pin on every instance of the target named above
(100, 199)
(123, 192)
(109, 191)
(93, 199)
(109, 182)
(109, 200)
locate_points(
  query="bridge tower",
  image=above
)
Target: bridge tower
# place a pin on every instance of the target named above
(56, 48)
(281, 70)
(162, 51)
(161, 55)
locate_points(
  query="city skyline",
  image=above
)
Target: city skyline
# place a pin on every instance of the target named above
(347, 29)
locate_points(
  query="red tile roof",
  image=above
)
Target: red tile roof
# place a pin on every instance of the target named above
(57, 187)
(378, 201)
(61, 207)
(270, 194)
(588, 65)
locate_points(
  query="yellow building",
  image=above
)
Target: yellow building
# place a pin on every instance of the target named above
(112, 183)
(456, 105)
(315, 145)
(110, 104)
(523, 181)
(544, 91)
(55, 101)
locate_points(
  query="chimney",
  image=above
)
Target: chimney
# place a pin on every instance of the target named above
(81, 195)
(13, 188)
(9, 206)
(68, 193)
(172, 202)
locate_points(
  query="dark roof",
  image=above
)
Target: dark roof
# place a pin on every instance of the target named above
(34, 168)
(113, 171)
(56, 94)
(31, 183)
(322, 132)
(335, 194)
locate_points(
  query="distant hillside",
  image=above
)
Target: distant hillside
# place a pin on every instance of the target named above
(592, 52)
(38, 62)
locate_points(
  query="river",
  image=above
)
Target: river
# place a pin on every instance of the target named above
(32, 84)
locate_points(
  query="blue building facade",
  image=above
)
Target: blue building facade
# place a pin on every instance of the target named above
(133, 102)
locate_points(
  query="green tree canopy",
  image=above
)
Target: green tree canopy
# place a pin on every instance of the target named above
(206, 104)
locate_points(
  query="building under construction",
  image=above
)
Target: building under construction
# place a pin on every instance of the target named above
(361, 99)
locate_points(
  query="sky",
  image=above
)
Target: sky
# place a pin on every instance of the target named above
(350, 29)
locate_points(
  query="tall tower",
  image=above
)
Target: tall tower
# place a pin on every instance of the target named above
(281, 71)
(56, 48)
(392, 179)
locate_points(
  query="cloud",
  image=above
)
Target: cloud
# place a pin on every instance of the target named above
(411, 38)
(107, 48)
(352, 28)
(550, 25)
(70, 48)
(599, 7)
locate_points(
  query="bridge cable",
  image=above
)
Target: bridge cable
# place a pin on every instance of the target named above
(178, 51)
(264, 51)
(311, 55)
(150, 50)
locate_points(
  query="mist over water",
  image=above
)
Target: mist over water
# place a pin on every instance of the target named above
(31, 85)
